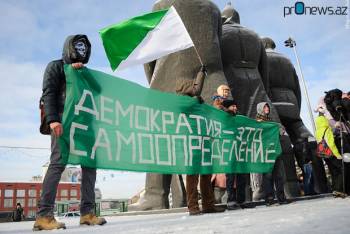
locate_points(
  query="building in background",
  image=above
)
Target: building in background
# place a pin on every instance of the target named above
(70, 174)
(28, 194)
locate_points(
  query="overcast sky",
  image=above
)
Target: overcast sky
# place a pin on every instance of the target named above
(33, 32)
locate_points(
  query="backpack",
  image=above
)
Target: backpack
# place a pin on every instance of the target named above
(44, 127)
(323, 150)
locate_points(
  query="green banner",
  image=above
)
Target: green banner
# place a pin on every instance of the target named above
(112, 123)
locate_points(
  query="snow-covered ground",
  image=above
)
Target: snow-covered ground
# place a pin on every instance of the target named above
(324, 215)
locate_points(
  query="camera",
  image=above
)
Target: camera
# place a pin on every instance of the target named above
(338, 106)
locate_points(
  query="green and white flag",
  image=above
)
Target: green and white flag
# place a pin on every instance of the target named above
(145, 38)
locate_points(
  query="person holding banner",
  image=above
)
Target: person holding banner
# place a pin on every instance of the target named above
(221, 97)
(273, 183)
(190, 88)
(76, 51)
(163, 74)
(235, 196)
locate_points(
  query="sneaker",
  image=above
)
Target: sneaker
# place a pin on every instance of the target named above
(284, 202)
(47, 223)
(233, 205)
(269, 201)
(245, 205)
(214, 209)
(337, 194)
(91, 219)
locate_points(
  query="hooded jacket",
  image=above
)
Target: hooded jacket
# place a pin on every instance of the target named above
(54, 83)
(323, 128)
(260, 115)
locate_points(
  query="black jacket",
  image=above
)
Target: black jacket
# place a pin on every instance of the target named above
(54, 83)
(54, 86)
(17, 215)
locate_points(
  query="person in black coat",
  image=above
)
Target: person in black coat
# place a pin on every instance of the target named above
(76, 52)
(17, 214)
(285, 95)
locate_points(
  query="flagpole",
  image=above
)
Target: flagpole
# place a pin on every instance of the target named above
(292, 44)
(199, 57)
(199, 81)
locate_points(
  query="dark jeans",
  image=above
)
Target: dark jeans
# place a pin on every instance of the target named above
(52, 178)
(236, 194)
(275, 181)
(308, 179)
(346, 149)
(335, 168)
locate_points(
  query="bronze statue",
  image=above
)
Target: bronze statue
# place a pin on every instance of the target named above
(286, 97)
(246, 70)
(202, 20)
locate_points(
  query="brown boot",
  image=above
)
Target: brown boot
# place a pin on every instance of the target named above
(47, 223)
(91, 219)
(194, 212)
(192, 194)
(208, 200)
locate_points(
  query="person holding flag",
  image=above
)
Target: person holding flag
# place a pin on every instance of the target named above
(164, 72)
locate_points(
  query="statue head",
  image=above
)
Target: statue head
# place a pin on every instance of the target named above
(268, 43)
(229, 14)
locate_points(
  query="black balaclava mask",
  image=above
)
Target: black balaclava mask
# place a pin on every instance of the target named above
(77, 48)
(81, 48)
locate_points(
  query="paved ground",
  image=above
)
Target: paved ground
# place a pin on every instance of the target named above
(323, 215)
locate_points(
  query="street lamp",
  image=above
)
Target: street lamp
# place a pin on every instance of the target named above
(292, 44)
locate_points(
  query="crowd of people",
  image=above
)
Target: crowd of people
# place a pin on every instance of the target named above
(332, 127)
(272, 184)
(332, 131)
(271, 93)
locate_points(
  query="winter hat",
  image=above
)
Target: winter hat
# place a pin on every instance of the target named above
(217, 97)
(227, 103)
(220, 90)
(260, 108)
